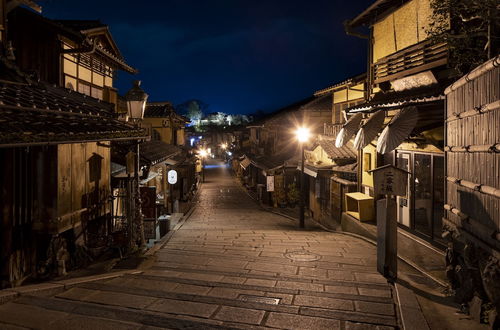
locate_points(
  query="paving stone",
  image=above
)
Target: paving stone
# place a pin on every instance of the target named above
(375, 292)
(76, 322)
(241, 315)
(5, 326)
(315, 272)
(323, 302)
(341, 289)
(290, 321)
(269, 267)
(368, 277)
(260, 282)
(146, 284)
(349, 316)
(28, 316)
(364, 326)
(183, 307)
(300, 286)
(119, 299)
(340, 275)
(374, 308)
(76, 293)
(233, 279)
(191, 289)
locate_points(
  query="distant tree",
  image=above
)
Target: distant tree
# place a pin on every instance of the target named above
(470, 27)
(193, 109)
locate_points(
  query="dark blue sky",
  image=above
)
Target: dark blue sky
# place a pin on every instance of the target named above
(235, 55)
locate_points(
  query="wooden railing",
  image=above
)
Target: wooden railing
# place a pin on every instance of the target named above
(331, 129)
(420, 57)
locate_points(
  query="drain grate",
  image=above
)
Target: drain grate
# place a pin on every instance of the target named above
(302, 256)
(258, 299)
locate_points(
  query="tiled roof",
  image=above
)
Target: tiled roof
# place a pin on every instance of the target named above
(74, 29)
(81, 25)
(323, 102)
(42, 114)
(379, 7)
(162, 110)
(358, 79)
(153, 152)
(344, 152)
(396, 99)
(159, 110)
(285, 155)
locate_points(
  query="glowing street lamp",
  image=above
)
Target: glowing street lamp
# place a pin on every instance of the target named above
(223, 146)
(302, 134)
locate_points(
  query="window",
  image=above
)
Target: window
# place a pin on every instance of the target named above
(84, 88)
(97, 93)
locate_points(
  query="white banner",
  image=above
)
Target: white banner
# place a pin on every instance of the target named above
(270, 183)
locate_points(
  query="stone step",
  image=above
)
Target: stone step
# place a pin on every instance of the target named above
(204, 306)
(116, 313)
(341, 292)
(288, 277)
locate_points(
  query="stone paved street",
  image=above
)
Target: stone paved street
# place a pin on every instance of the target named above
(230, 265)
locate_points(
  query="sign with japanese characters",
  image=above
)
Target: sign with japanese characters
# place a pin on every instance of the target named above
(390, 180)
(270, 183)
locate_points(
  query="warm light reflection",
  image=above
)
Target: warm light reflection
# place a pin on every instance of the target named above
(302, 134)
(223, 146)
(203, 153)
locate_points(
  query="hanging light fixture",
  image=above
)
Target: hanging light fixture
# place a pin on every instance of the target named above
(136, 102)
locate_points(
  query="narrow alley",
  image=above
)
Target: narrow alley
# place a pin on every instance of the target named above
(231, 264)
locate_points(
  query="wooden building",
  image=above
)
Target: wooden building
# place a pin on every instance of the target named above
(407, 75)
(55, 141)
(472, 217)
(79, 55)
(166, 125)
(55, 147)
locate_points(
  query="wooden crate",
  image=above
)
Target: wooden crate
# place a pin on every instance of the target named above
(359, 206)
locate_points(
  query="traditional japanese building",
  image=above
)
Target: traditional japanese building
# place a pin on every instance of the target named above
(401, 122)
(56, 142)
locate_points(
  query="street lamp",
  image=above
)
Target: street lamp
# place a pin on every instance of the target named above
(203, 153)
(303, 135)
(136, 103)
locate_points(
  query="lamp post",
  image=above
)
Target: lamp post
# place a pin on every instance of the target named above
(302, 134)
(136, 103)
(203, 153)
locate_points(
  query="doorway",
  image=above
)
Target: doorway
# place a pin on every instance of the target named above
(421, 210)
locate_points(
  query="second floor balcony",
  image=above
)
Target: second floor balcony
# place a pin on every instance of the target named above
(419, 57)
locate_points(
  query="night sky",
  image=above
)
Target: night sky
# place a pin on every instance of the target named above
(237, 56)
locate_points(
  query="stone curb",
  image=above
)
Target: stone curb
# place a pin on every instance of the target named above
(55, 287)
(409, 309)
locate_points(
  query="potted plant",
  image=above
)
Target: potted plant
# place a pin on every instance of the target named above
(293, 195)
(280, 196)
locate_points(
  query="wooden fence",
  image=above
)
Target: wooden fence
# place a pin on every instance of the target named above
(473, 156)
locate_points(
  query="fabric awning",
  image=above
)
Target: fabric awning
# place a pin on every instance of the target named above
(245, 163)
(400, 127)
(348, 130)
(369, 130)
